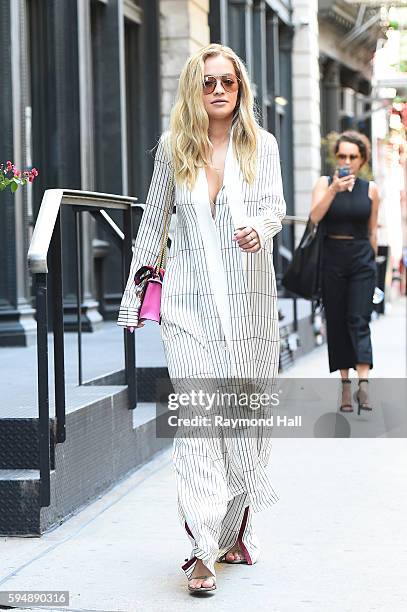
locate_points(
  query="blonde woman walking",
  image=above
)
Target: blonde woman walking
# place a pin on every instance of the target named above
(219, 317)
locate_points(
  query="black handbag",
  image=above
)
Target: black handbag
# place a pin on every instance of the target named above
(304, 275)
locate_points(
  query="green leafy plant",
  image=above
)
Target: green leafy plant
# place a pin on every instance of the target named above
(13, 178)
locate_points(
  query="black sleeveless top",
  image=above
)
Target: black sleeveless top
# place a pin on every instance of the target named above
(349, 211)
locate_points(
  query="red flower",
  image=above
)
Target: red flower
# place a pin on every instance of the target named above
(34, 171)
(9, 165)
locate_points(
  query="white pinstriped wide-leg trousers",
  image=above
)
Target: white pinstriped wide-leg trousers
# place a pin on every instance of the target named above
(221, 479)
(213, 522)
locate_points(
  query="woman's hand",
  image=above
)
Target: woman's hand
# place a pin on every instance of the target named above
(324, 193)
(140, 324)
(248, 239)
(344, 183)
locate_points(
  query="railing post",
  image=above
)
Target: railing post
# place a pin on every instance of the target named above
(58, 330)
(78, 241)
(43, 393)
(129, 339)
(295, 314)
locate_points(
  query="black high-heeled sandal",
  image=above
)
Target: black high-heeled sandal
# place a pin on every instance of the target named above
(364, 404)
(349, 407)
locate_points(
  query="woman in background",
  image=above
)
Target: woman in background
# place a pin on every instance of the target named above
(348, 208)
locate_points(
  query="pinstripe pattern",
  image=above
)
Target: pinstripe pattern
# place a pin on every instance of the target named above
(219, 323)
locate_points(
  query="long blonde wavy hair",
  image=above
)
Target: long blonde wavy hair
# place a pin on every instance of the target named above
(190, 146)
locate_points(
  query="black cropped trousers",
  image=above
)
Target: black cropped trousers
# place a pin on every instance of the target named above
(348, 283)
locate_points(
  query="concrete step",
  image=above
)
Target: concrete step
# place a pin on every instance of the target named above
(19, 444)
(19, 425)
(105, 441)
(19, 502)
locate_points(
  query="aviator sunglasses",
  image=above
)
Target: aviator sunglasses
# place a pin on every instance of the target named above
(342, 156)
(230, 83)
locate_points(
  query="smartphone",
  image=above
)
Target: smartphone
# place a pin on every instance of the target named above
(343, 171)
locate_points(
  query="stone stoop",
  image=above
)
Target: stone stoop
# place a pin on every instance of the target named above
(105, 441)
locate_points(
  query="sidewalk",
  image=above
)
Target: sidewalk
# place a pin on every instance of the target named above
(335, 542)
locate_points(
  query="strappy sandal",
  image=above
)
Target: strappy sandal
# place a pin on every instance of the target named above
(224, 560)
(362, 405)
(202, 589)
(346, 407)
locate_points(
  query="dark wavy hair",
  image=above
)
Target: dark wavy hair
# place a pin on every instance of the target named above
(358, 139)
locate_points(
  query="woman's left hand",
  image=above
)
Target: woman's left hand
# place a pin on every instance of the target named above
(248, 239)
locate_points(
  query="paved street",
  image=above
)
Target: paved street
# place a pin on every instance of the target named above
(335, 542)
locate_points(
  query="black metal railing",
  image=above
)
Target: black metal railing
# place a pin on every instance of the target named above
(47, 242)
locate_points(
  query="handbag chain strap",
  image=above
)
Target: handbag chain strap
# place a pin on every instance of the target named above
(164, 240)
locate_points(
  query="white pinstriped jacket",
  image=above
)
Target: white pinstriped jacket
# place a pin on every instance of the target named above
(217, 302)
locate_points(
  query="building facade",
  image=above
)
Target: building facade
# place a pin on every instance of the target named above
(88, 86)
(80, 100)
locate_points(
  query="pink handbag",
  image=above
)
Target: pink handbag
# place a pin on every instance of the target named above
(148, 281)
(151, 303)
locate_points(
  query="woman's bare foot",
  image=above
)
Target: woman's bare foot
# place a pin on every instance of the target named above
(235, 553)
(200, 570)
